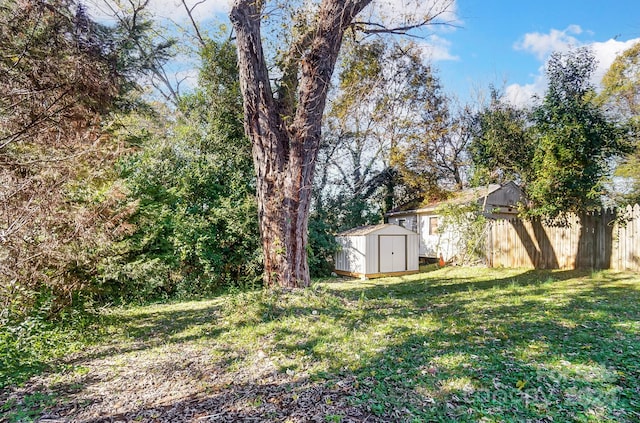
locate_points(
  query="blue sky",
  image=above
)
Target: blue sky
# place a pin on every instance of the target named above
(504, 43)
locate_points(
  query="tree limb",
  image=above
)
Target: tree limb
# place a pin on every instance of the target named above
(189, 11)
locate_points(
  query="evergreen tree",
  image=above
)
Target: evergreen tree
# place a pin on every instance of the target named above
(575, 139)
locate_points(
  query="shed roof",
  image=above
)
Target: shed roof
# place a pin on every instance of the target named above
(383, 227)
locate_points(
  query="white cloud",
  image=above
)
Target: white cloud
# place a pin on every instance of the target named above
(436, 49)
(605, 53)
(166, 9)
(523, 95)
(544, 44)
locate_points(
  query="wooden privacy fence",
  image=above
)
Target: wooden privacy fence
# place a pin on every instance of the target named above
(609, 239)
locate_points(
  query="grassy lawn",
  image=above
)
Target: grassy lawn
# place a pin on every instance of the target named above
(455, 344)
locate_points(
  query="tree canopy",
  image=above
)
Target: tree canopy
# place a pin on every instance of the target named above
(502, 147)
(621, 84)
(621, 96)
(575, 139)
(562, 149)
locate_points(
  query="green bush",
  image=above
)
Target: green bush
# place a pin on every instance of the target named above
(195, 224)
(321, 248)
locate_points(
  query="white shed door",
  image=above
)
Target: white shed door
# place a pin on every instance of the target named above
(393, 253)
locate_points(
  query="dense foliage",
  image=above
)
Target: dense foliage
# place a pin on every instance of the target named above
(502, 147)
(193, 189)
(63, 77)
(575, 139)
(621, 96)
(561, 150)
(621, 84)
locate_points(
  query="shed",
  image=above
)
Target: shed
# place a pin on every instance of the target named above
(376, 251)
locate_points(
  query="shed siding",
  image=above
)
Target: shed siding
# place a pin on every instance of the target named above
(352, 255)
(393, 230)
(372, 258)
(342, 261)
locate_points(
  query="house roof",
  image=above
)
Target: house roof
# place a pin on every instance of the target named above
(461, 197)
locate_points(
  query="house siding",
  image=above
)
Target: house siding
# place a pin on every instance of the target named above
(410, 221)
(500, 203)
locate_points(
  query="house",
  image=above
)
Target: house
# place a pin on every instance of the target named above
(494, 201)
(376, 251)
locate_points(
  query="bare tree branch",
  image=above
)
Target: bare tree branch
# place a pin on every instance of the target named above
(189, 11)
(371, 28)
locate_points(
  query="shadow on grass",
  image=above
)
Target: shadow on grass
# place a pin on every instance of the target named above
(451, 283)
(575, 358)
(537, 346)
(140, 332)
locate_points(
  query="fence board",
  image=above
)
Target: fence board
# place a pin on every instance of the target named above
(608, 239)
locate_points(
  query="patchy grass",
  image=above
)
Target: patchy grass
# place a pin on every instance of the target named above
(455, 344)
(36, 344)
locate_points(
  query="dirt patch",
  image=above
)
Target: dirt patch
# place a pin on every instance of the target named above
(183, 383)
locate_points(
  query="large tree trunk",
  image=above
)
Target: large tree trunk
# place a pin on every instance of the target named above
(285, 129)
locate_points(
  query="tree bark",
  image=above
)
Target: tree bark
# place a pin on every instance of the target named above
(285, 130)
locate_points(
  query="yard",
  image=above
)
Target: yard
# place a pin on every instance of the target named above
(454, 344)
